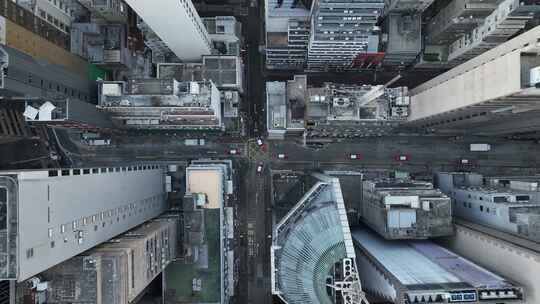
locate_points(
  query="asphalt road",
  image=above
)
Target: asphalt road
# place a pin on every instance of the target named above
(424, 153)
(254, 283)
(255, 82)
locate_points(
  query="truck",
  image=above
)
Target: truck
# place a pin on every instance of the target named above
(480, 147)
(194, 142)
(98, 142)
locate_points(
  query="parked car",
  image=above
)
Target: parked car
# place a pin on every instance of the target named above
(281, 156)
(402, 157)
(259, 168)
(355, 156)
(259, 142)
(466, 162)
(234, 152)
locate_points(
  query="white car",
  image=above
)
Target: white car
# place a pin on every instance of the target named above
(354, 156)
(233, 152)
(281, 156)
(259, 142)
(259, 168)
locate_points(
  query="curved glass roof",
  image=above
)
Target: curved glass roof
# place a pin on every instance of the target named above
(309, 244)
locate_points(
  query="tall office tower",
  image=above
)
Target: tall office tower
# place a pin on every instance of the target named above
(465, 31)
(287, 33)
(111, 46)
(509, 204)
(404, 39)
(415, 271)
(164, 104)
(31, 35)
(406, 6)
(457, 18)
(26, 76)
(509, 17)
(406, 209)
(312, 254)
(225, 33)
(285, 107)
(176, 22)
(118, 271)
(493, 93)
(114, 11)
(205, 271)
(50, 216)
(57, 13)
(342, 32)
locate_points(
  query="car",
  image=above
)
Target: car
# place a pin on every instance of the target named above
(259, 168)
(281, 156)
(355, 156)
(234, 152)
(466, 162)
(402, 157)
(259, 142)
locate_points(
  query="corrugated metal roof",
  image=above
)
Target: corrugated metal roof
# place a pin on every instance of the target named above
(402, 261)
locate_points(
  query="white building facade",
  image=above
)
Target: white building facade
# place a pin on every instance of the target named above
(54, 215)
(178, 24)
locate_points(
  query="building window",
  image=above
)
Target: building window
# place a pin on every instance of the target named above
(481, 208)
(50, 232)
(30, 253)
(62, 228)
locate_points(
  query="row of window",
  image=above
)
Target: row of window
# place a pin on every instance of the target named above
(46, 84)
(194, 17)
(481, 208)
(69, 172)
(62, 6)
(126, 210)
(122, 212)
(33, 23)
(497, 199)
(52, 20)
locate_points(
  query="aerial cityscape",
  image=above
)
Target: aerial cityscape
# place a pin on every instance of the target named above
(269, 151)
